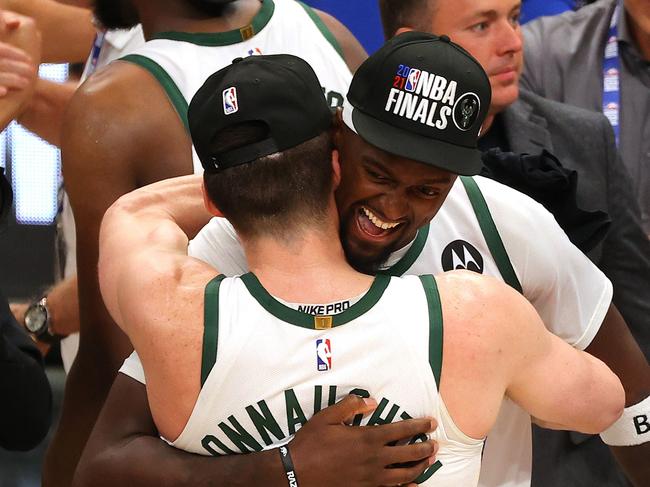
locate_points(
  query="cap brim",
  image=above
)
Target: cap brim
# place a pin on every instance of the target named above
(458, 160)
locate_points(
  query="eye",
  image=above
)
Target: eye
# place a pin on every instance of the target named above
(376, 176)
(480, 27)
(428, 191)
(515, 19)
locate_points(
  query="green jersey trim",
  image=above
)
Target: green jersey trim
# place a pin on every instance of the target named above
(323, 29)
(428, 473)
(435, 325)
(305, 320)
(166, 81)
(210, 326)
(405, 263)
(235, 36)
(491, 233)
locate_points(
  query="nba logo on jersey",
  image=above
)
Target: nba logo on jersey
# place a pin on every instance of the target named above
(412, 80)
(323, 355)
(230, 104)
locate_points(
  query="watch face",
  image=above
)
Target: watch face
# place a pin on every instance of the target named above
(35, 318)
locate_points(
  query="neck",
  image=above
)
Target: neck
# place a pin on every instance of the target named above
(179, 16)
(487, 124)
(310, 268)
(640, 36)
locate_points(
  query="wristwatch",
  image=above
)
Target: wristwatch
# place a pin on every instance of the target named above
(37, 321)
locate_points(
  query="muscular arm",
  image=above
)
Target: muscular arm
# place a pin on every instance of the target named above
(67, 30)
(501, 343)
(626, 261)
(353, 51)
(108, 149)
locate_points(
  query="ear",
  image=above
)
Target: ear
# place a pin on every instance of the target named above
(210, 206)
(401, 30)
(338, 127)
(336, 169)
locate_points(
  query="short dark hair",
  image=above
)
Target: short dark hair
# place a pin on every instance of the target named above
(415, 14)
(274, 195)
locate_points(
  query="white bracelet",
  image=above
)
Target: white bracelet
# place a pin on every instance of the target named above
(632, 428)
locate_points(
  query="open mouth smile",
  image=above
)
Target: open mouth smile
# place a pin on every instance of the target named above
(374, 226)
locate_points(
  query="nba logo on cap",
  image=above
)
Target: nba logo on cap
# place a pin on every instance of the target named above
(412, 80)
(323, 355)
(230, 104)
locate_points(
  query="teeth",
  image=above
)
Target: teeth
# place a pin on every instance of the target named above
(377, 222)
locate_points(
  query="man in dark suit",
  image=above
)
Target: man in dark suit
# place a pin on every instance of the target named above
(583, 141)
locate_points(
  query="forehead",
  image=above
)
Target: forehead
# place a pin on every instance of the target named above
(454, 12)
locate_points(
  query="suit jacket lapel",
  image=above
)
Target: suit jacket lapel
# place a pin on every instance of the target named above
(526, 131)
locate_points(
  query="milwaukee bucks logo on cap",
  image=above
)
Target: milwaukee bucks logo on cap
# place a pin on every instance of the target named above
(466, 111)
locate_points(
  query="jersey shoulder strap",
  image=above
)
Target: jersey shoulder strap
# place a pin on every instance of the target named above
(210, 326)
(490, 232)
(435, 325)
(171, 89)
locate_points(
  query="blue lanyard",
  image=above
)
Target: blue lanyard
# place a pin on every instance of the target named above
(97, 48)
(611, 76)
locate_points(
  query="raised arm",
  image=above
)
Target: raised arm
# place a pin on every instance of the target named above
(67, 30)
(20, 46)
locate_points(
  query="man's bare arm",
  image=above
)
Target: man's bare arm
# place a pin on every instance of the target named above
(353, 52)
(43, 113)
(124, 449)
(67, 30)
(109, 148)
(615, 345)
(19, 32)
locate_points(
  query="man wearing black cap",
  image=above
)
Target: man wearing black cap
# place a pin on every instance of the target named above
(263, 361)
(131, 117)
(584, 143)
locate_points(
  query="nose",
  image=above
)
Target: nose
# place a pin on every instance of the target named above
(510, 39)
(394, 205)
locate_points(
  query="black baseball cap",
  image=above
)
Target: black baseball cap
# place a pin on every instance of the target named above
(422, 97)
(281, 91)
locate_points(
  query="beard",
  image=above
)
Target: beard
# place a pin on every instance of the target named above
(116, 14)
(370, 265)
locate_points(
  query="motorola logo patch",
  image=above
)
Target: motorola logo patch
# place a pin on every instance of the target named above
(462, 255)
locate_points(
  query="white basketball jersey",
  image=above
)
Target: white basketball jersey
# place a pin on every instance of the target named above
(498, 232)
(182, 61)
(267, 368)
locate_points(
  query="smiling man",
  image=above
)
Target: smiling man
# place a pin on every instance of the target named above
(481, 225)
(583, 141)
(277, 190)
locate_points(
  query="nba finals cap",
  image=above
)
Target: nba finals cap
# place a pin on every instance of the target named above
(281, 91)
(424, 98)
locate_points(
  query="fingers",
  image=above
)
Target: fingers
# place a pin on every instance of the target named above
(405, 475)
(393, 455)
(344, 410)
(13, 81)
(405, 430)
(7, 51)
